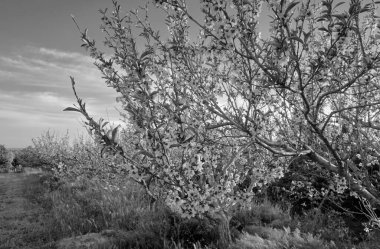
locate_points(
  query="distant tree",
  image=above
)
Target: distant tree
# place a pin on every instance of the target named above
(28, 157)
(69, 158)
(3, 155)
(6, 158)
(233, 104)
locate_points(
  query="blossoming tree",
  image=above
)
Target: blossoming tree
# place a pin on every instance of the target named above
(235, 104)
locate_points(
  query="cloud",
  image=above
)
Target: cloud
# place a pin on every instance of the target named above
(35, 88)
(32, 108)
(63, 55)
(5, 74)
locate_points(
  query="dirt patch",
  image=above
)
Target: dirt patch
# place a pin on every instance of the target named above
(23, 223)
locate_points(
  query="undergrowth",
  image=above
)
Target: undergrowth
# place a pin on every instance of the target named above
(83, 206)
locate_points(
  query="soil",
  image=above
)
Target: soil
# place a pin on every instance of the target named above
(23, 222)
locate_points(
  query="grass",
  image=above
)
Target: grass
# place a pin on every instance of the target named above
(83, 207)
(124, 213)
(23, 222)
(272, 238)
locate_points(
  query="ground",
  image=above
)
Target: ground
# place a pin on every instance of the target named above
(22, 221)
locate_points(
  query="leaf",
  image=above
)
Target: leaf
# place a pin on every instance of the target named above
(352, 9)
(114, 132)
(296, 38)
(290, 7)
(341, 17)
(324, 29)
(355, 29)
(174, 145)
(152, 94)
(109, 134)
(275, 43)
(71, 109)
(188, 139)
(326, 3)
(366, 8)
(146, 53)
(338, 4)
(324, 17)
(142, 152)
(293, 57)
(306, 36)
(103, 151)
(104, 124)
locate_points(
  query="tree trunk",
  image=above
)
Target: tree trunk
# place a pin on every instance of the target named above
(223, 230)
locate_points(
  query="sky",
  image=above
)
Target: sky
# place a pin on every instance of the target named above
(39, 51)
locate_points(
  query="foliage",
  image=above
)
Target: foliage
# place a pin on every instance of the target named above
(308, 189)
(207, 115)
(3, 154)
(28, 157)
(6, 158)
(69, 158)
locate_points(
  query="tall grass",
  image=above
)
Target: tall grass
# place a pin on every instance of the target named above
(84, 206)
(126, 212)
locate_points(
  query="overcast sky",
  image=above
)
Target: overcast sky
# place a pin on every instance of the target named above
(39, 51)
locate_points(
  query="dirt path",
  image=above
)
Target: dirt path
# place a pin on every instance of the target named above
(22, 222)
